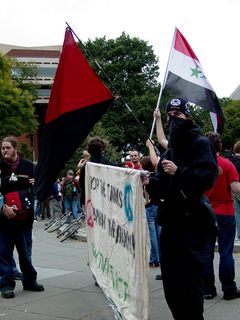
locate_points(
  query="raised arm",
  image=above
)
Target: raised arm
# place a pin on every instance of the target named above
(152, 153)
(160, 133)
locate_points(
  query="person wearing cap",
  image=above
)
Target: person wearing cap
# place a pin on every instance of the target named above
(185, 171)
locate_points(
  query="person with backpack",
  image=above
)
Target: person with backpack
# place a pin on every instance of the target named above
(96, 148)
(71, 194)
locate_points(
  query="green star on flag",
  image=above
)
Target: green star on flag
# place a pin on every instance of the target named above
(185, 78)
(195, 72)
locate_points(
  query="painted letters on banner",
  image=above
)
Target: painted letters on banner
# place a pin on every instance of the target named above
(118, 238)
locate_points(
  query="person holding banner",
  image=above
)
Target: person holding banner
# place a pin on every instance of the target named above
(185, 171)
(96, 148)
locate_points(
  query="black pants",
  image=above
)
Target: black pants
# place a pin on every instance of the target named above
(182, 252)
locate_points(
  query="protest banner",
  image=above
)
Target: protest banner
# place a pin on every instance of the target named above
(118, 238)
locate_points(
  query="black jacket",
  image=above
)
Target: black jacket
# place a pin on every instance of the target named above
(236, 161)
(197, 171)
(23, 173)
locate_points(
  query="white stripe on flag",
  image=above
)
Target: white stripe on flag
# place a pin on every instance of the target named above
(213, 117)
(188, 69)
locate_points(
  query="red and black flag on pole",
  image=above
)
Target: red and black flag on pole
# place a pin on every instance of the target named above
(78, 100)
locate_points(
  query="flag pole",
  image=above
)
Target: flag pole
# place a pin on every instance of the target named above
(163, 85)
(109, 80)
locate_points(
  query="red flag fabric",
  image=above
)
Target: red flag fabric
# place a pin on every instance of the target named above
(78, 100)
(185, 77)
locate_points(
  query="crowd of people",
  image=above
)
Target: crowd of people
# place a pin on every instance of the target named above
(191, 194)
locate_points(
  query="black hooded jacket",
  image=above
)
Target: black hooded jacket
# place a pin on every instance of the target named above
(197, 170)
(24, 171)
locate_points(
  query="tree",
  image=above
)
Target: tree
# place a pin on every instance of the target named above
(111, 151)
(231, 132)
(132, 66)
(24, 74)
(17, 112)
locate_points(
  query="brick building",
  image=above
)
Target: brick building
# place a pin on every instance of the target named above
(46, 60)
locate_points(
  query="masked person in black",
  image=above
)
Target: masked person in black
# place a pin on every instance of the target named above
(185, 171)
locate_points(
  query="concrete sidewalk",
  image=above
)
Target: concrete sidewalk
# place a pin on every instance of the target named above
(70, 293)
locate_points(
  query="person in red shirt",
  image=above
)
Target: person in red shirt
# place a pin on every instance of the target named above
(220, 197)
(135, 162)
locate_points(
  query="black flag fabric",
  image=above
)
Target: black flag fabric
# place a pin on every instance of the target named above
(78, 100)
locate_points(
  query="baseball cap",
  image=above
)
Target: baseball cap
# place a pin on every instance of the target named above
(179, 104)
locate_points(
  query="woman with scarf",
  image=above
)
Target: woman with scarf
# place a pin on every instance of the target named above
(16, 218)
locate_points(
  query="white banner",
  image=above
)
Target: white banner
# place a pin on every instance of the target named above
(118, 238)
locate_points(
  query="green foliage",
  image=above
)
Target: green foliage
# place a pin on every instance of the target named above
(132, 66)
(25, 151)
(25, 75)
(231, 132)
(17, 112)
(111, 151)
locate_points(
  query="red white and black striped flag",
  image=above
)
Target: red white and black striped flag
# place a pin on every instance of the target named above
(78, 100)
(186, 78)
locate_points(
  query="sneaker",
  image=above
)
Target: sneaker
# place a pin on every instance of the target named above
(7, 294)
(210, 296)
(158, 277)
(34, 287)
(17, 275)
(231, 295)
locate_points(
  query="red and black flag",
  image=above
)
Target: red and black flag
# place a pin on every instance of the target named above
(78, 100)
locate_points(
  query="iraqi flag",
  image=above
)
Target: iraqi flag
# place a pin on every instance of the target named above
(185, 78)
(78, 100)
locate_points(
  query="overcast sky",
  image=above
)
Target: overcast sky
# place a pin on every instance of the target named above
(212, 28)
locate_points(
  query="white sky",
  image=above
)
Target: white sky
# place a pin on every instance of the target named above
(212, 28)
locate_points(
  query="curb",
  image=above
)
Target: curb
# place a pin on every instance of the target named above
(82, 236)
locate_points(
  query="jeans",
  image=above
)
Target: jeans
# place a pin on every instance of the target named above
(226, 236)
(71, 205)
(37, 211)
(15, 269)
(22, 239)
(154, 233)
(237, 215)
